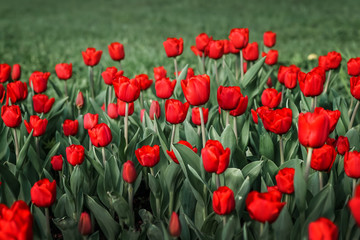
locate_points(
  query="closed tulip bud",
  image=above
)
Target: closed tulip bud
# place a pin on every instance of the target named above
(57, 162)
(17, 91)
(182, 142)
(269, 39)
(333, 60)
(11, 115)
(174, 225)
(43, 193)
(121, 108)
(164, 88)
(90, 120)
(142, 112)
(159, 73)
(355, 87)
(323, 228)
(226, 44)
(323, 62)
(127, 90)
(271, 98)
(100, 135)
(36, 124)
(323, 158)
(353, 66)
(285, 180)
(241, 107)
(277, 121)
(215, 49)
(271, 57)
(84, 225)
(112, 111)
(239, 37)
(352, 164)
(251, 52)
(2, 93)
(42, 103)
(223, 201)
(173, 47)
(5, 71)
(63, 70)
(155, 110)
(75, 154)
(16, 72)
(195, 115)
(91, 57)
(312, 83)
(288, 76)
(175, 111)
(144, 81)
(228, 97)
(259, 111)
(70, 127)
(116, 51)
(342, 145)
(333, 117)
(354, 205)
(148, 156)
(331, 141)
(38, 81)
(215, 157)
(129, 172)
(79, 102)
(196, 89)
(196, 51)
(111, 74)
(313, 129)
(202, 40)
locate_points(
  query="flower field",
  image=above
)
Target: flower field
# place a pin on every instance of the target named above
(177, 128)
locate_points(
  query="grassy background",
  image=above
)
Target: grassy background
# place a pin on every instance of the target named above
(38, 34)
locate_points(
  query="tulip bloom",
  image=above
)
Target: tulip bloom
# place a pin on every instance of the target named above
(323, 158)
(16, 72)
(271, 98)
(38, 81)
(353, 66)
(121, 108)
(70, 127)
(333, 117)
(342, 145)
(84, 225)
(75, 154)
(2, 93)
(223, 201)
(127, 90)
(354, 205)
(42, 103)
(215, 49)
(112, 110)
(148, 156)
(264, 207)
(79, 102)
(129, 172)
(215, 157)
(164, 88)
(352, 164)
(5, 71)
(277, 121)
(285, 180)
(259, 111)
(312, 83)
(11, 115)
(196, 89)
(313, 129)
(174, 225)
(17, 91)
(63, 70)
(155, 110)
(333, 60)
(91, 57)
(195, 115)
(196, 51)
(323, 228)
(111, 74)
(239, 37)
(355, 87)
(323, 62)
(39, 125)
(228, 97)
(43, 193)
(288, 76)
(159, 73)
(271, 57)
(202, 40)
(116, 51)
(175, 111)
(269, 39)
(100, 135)
(251, 52)
(182, 142)
(57, 162)
(90, 120)
(144, 81)
(173, 47)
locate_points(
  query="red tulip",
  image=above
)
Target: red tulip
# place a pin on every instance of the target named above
(333, 117)
(196, 89)
(38, 81)
(142, 112)
(215, 49)
(196, 51)
(355, 87)
(352, 164)
(2, 93)
(116, 51)
(174, 225)
(251, 52)
(239, 37)
(173, 47)
(148, 156)
(324, 229)
(84, 225)
(259, 112)
(127, 90)
(288, 76)
(313, 129)
(70, 127)
(17, 91)
(39, 125)
(202, 40)
(189, 74)
(16, 72)
(228, 97)
(277, 121)
(63, 70)
(175, 111)
(215, 157)
(129, 172)
(112, 111)
(353, 66)
(333, 60)
(75, 154)
(271, 57)
(234, 50)
(223, 201)
(159, 73)
(144, 81)
(100, 135)
(42, 103)
(11, 115)
(182, 142)
(323, 62)
(312, 83)
(354, 205)
(43, 193)
(111, 74)
(16, 222)
(90, 120)
(269, 39)
(121, 107)
(79, 102)
(331, 141)
(91, 57)
(226, 44)
(195, 115)
(323, 158)
(271, 98)
(57, 162)
(5, 71)
(342, 145)
(155, 110)
(285, 180)
(241, 107)
(274, 191)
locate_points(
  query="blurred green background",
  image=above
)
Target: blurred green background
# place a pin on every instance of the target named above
(38, 34)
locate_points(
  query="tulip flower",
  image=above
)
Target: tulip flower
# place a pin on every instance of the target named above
(90, 120)
(353, 66)
(155, 110)
(251, 52)
(202, 40)
(100, 135)
(195, 115)
(223, 201)
(333, 59)
(2, 93)
(5, 71)
(175, 111)
(129, 174)
(36, 124)
(17, 91)
(239, 38)
(63, 70)
(331, 141)
(112, 111)
(174, 225)
(144, 81)
(259, 111)
(214, 49)
(173, 47)
(354, 205)
(127, 90)
(196, 51)
(111, 74)
(271, 98)
(323, 228)
(79, 102)
(75, 154)
(164, 88)
(70, 127)
(228, 97)
(43, 193)
(91, 57)
(352, 164)
(16, 72)
(196, 89)
(333, 117)
(342, 145)
(271, 57)
(84, 225)
(57, 162)
(182, 142)
(323, 62)
(269, 39)
(148, 156)
(288, 76)
(42, 103)
(312, 83)
(285, 180)
(11, 115)
(38, 81)
(116, 51)
(323, 158)
(121, 108)
(159, 73)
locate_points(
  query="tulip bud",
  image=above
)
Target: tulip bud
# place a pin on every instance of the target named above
(112, 111)
(271, 98)
(155, 110)
(323, 228)
(116, 51)
(43, 193)
(142, 112)
(16, 72)
(79, 102)
(63, 70)
(100, 135)
(36, 124)
(91, 57)
(159, 73)
(285, 180)
(38, 81)
(148, 156)
(70, 127)
(269, 39)
(164, 88)
(173, 47)
(5, 71)
(75, 154)
(223, 201)
(84, 226)
(174, 225)
(57, 162)
(271, 57)
(342, 145)
(195, 115)
(129, 172)
(121, 107)
(11, 115)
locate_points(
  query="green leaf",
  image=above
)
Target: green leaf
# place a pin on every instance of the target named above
(234, 179)
(252, 170)
(228, 139)
(244, 139)
(252, 72)
(283, 224)
(112, 175)
(182, 75)
(300, 188)
(191, 135)
(154, 185)
(10, 180)
(4, 142)
(241, 195)
(52, 152)
(76, 180)
(23, 151)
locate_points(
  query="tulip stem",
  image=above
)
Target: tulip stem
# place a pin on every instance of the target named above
(65, 89)
(235, 128)
(282, 159)
(241, 65)
(237, 67)
(261, 228)
(327, 82)
(171, 203)
(224, 220)
(308, 161)
(313, 104)
(103, 155)
(354, 114)
(48, 223)
(176, 68)
(205, 202)
(37, 140)
(216, 73)
(354, 186)
(217, 180)
(126, 124)
(119, 65)
(223, 61)
(227, 117)
(203, 63)
(110, 94)
(282, 95)
(202, 126)
(16, 143)
(91, 77)
(141, 100)
(172, 135)
(321, 184)
(351, 105)
(130, 199)
(152, 172)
